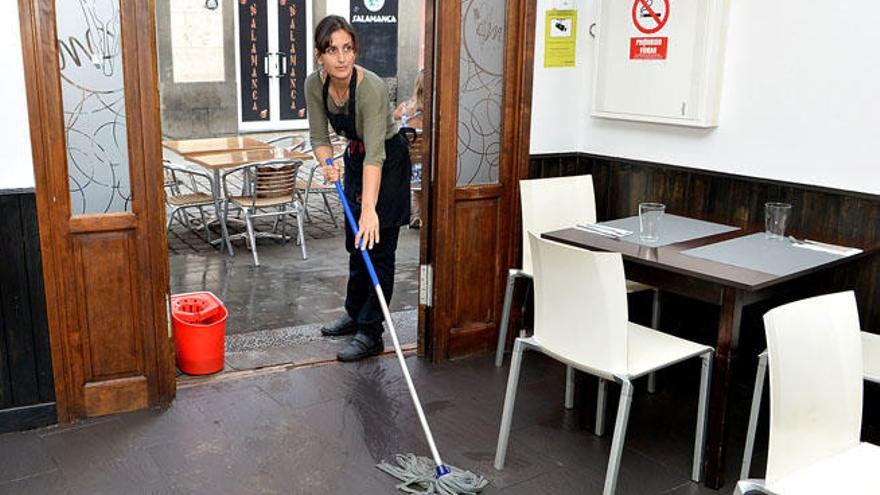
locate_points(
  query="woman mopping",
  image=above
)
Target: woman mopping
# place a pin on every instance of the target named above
(355, 103)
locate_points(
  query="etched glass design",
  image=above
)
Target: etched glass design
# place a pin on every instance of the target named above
(92, 86)
(481, 88)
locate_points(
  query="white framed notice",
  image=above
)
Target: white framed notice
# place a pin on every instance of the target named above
(660, 61)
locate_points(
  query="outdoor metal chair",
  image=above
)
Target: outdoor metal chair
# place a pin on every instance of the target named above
(266, 185)
(179, 202)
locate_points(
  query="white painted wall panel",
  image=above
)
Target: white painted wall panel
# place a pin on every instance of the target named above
(16, 168)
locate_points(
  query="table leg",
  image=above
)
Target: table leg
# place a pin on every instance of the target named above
(728, 337)
(216, 193)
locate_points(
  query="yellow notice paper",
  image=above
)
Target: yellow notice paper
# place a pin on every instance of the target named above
(560, 38)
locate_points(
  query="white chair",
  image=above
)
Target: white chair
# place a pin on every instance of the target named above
(581, 320)
(267, 185)
(814, 352)
(553, 204)
(870, 362)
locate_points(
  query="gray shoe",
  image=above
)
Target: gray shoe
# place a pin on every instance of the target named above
(343, 326)
(361, 346)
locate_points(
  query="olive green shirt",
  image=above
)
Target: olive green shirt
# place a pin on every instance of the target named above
(373, 117)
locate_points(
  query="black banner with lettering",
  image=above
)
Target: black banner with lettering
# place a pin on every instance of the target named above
(292, 37)
(375, 22)
(253, 44)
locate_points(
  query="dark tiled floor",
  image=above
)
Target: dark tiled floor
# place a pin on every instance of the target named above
(322, 429)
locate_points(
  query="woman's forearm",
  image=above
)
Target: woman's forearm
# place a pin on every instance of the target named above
(372, 180)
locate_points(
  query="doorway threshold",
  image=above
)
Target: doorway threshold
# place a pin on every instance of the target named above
(281, 349)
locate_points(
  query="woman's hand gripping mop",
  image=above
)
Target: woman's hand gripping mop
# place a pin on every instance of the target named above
(418, 474)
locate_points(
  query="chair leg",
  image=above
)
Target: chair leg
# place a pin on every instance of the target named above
(757, 393)
(744, 487)
(601, 397)
(655, 324)
(223, 227)
(505, 319)
(702, 417)
(620, 424)
(569, 387)
(253, 239)
(171, 218)
(205, 223)
(277, 219)
(509, 400)
(300, 233)
(330, 210)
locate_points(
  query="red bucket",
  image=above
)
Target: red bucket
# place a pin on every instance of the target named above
(199, 322)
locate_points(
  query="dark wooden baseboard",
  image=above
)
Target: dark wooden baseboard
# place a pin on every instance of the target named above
(831, 215)
(27, 417)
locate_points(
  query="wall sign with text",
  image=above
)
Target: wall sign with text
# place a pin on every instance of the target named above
(253, 43)
(274, 51)
(292, 37)
(375, 22)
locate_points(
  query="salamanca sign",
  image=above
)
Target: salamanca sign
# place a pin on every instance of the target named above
(374, 19)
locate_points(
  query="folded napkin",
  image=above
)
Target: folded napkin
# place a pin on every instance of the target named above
(596, 228)
(823, 247)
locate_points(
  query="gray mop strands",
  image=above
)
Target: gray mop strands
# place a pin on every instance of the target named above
(432, 475)
(418, 476)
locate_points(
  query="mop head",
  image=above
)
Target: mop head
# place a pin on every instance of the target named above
(418, 475)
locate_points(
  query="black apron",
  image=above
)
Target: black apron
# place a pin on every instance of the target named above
(393, 204)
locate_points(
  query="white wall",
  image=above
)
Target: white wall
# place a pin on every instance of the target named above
(16, 167)
(800, 101)
(557, 100)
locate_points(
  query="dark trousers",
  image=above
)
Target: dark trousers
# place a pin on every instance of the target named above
(361, 302)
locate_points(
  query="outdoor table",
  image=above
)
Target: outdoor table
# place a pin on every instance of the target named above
(188, 147)
(730, 268)
(216, 162)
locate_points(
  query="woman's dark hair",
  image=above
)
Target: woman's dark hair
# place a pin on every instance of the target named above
(327, 27)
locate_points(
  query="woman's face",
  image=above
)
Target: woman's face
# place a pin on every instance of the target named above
(338, 58)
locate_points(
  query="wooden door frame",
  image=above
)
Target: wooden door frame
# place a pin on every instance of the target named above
(425, 330)
(49, 153)
(518, 54)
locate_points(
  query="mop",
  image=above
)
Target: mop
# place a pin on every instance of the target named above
(418, 475)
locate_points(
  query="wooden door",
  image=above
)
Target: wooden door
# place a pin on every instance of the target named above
(481, 151)
(93, 103)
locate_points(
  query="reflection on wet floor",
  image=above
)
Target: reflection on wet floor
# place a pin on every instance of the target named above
(285, 300)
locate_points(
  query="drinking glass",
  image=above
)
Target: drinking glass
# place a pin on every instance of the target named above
(775, 218)
(650, 215)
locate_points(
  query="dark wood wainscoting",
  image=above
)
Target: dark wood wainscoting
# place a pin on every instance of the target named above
(27, 394)
(836, 216)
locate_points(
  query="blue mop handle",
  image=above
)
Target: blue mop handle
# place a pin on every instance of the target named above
(441, 469)
(354, 228)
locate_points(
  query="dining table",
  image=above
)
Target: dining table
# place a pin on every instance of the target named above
(719, 264)
(223, 153)
(189, 147)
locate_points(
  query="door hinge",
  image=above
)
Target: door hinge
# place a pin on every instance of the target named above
(426, 285)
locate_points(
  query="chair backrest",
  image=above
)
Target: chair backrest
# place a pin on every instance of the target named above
(580, 305)
(815, 360)
(553, 204)
(273, 180)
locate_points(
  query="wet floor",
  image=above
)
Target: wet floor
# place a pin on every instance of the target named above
(321, 429)
(285, 290)
(276, 309)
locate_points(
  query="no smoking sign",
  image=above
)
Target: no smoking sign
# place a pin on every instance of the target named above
(650, 16)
